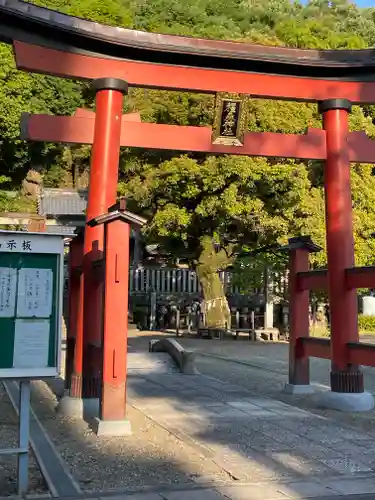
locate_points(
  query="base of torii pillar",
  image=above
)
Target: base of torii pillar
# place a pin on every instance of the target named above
(81, 408)
(299, 390)
(330, 400)
(345, 401)
(88, 409)
(111, 428)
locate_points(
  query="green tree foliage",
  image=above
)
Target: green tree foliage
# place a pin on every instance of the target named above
(21, 92)
(111, 12)
(213, 211)
(11, 201)
(5, 201)
(231, 202)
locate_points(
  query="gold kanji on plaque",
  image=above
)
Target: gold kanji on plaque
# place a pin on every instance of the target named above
(230, 119)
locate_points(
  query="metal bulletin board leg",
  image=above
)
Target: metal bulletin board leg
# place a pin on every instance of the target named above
(23, 437)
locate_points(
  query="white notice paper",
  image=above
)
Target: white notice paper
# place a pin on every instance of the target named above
(8, 287)
(35, 290)
(31, 343)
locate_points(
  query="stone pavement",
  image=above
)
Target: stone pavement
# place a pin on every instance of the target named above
(283, 451)
(139, 362)
(270, 357)
(240, 492)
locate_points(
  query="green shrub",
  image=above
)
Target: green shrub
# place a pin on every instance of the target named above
(366, 323)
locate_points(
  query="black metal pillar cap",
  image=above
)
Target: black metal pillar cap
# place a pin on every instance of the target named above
(329, 104)
(109, 84)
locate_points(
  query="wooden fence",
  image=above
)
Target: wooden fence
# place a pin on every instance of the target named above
(185, 281)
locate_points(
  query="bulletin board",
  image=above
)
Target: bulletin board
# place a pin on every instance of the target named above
(31, 294)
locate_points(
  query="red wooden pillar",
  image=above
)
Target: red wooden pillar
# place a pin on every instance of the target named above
(299, 369)
(115, 321)
(75, 270)
(102, 194)
(345, 378)
(112, 408)
(299, 324)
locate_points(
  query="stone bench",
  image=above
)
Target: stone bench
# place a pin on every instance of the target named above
(269, 334)
(250, 333)
(185, 360)
(272, 335)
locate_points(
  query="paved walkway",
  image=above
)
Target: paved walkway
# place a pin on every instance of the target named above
(251, 432)
(290, 452)
(240, 492)
(270, 357)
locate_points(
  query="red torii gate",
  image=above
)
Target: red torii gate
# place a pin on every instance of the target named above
(108, 129)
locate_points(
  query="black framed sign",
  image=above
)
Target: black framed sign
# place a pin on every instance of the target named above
(230, 119)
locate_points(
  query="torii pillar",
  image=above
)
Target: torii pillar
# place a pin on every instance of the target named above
(347, 388)
(299, 249)
(86, 376)
(114, 322)
(74, 284)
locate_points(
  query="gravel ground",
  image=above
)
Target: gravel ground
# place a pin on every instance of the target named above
(8, 464)
(150, 457)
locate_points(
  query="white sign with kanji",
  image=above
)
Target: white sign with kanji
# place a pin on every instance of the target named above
(29, 243)
(8, 289)
(31, 343)
(35, 291)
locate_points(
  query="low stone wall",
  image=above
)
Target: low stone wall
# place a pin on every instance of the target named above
(185, 360)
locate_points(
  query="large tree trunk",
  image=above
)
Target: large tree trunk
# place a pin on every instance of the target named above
(215, 306)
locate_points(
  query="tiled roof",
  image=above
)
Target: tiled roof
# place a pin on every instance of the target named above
(62, 202)
(57, 229)
(70, 203)
(65, 230)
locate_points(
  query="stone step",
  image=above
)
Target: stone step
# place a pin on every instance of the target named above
(145, 362)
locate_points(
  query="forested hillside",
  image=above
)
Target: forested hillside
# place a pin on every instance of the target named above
(200, 196)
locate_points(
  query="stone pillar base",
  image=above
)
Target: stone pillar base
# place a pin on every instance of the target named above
(346, 401)
(57, 386)
(298, 390)
(111, 428)
(78, 407)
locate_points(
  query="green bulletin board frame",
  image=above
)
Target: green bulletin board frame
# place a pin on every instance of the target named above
(19, 250)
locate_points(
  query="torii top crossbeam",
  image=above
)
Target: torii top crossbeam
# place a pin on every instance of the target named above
(91, 50)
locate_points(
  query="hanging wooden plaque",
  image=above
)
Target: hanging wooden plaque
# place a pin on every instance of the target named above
(230, 119)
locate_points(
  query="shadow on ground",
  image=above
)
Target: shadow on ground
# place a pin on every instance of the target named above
(222, 431)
